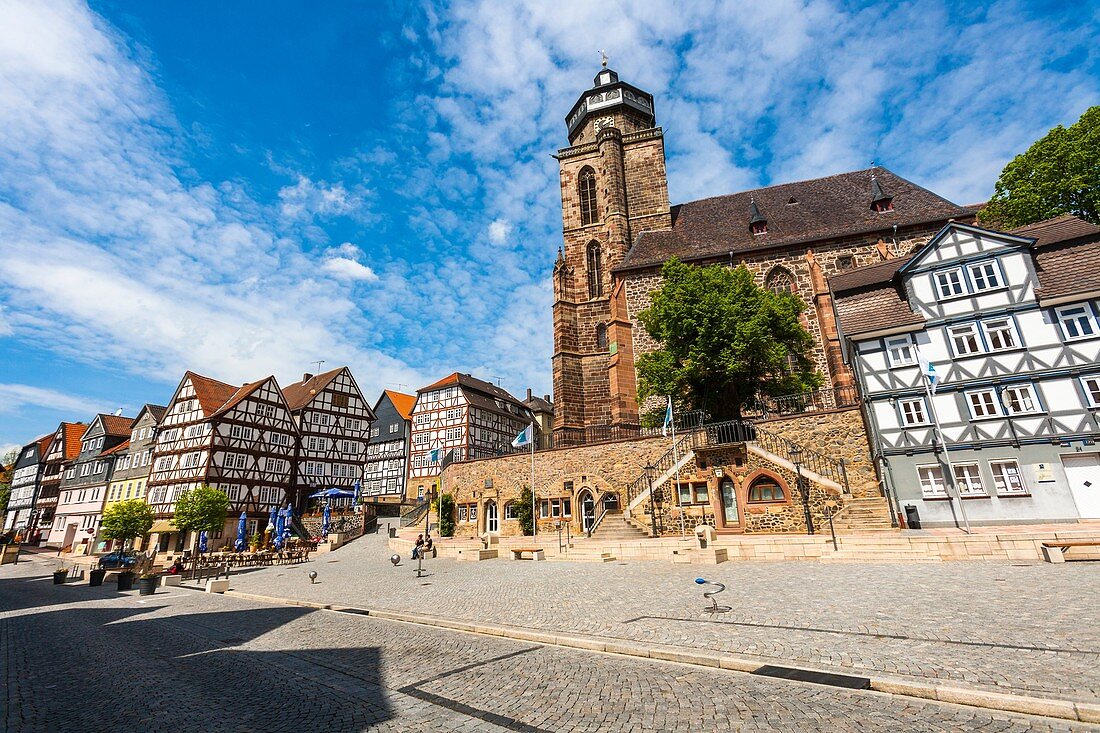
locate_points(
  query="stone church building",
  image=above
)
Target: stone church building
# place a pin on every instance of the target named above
(619, 228)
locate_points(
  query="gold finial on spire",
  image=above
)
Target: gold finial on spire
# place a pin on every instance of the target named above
(603, 58)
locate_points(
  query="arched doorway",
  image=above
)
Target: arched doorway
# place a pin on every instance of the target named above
(588, 509)
(731, 516)
(492, 520)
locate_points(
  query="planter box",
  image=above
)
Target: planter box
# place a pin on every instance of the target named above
(147, 586)
(60, 578)
(125, 581)
(95, 578)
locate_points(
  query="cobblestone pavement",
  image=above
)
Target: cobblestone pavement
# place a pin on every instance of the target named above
(91, 659)
(1031, 628)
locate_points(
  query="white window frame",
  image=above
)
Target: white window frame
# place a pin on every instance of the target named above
(906, 414)
(1006, 478)
(895, 345)
(941, 279)
(985, 275)
(932, 483)
(1092, 394)
(974, 333)
(1076, 315)
(996, 403)
(968, 480)
(993, 333)
(1025, 392)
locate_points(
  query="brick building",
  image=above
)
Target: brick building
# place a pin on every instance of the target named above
(619, 229)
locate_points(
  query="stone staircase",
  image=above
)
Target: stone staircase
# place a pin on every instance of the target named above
(615, 527)
(871, 514)
(583, 553)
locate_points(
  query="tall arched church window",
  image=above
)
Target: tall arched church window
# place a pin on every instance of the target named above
(601, 336)
(595, 277)
(780, 280)
(586, 187)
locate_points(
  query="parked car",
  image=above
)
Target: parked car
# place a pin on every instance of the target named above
(118, 560)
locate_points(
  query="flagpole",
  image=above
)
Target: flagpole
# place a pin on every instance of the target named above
(676, 459)
(946, 453)
(534, 496)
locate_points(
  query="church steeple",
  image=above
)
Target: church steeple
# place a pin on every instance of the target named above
(609, 103)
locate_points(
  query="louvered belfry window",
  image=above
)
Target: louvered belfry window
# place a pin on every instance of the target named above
(587, 189)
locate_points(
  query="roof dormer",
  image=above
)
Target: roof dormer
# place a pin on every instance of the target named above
(757, 223)
(880, 200)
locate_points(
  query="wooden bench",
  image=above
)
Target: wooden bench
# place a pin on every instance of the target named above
(1056, 551)
(536, 553)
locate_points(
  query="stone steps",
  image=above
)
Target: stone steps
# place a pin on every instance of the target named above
(584, 556)
(872, 513)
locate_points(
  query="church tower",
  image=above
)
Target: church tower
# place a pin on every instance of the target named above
(613, 187)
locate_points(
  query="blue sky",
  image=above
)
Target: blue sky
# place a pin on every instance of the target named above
(243, 188)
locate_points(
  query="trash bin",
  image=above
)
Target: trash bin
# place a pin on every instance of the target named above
(912, 518)
(392, 531)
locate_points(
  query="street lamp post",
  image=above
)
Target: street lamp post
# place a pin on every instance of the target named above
(796, 459)
(652, 505)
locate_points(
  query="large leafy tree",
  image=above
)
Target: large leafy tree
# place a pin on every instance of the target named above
(724, 340)
(127, 520)
(201, 509)
(1058, 174)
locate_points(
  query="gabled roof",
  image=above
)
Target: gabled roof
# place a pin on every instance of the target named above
(299, 394)
(44, 445)
(74, 431)
(242, 392)
(117, 449)
(156, 411)
(1059, 229)
(402, 402)
(478, 392)
(801, 212)
(116, 425)
(210, 393)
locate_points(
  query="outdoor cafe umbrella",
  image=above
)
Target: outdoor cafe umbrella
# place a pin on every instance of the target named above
(332, 493)
(202, 541)
(241, 530)
(289, 522)
(326, 519)
(271, 520)
(280, 526)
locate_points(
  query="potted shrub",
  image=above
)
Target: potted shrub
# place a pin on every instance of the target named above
(95, 577)
(147, 584)
(254, 542)
(126, 580)
(60, 575)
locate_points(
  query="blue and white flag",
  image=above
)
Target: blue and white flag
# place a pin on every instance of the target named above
(526, 437)
(928, 369)
(357, 488)
(435, 455)
(668, 418)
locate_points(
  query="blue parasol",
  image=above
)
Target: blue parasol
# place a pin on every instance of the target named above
(271, 520)
(289, 522)
(332, 493)
(202, 541)
(280, 527)
(242, 529)
(358, 489)
(326, 520)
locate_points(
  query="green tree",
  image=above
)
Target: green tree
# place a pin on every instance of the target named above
(724, 339)
(201, 509)
(524, 511)
(1058, 174)
(127, 520)
(446, 515)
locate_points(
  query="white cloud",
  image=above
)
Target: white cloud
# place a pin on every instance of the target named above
(347, 269)
(307, 200)
(14, 397)
(499, 231)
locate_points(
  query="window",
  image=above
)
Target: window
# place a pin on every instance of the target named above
(985, 276)
(510, 510)
(393, 428)
(85, 469)
(845, 262)
(693, 493)
(595, 276)
(912, 412)
(586, 188)
(1092, 390)
(900, 351)
(983, 403)
(1000, 334)
(949, 283)
(780, 280)
(340, 401)
(765, 488)
(968, 480)
(964, 339)
(463, 511)
(554, 508)
(1020, 400)
(931, 481)
(1076, 322)
(1007, 478)
(601, 336)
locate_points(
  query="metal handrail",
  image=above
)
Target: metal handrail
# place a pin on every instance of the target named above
(414, 515)
(601, 500)
(662, 464)
(823, 465)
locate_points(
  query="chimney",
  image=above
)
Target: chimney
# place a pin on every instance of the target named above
(546, 397)
(528, 393)
(306, 377)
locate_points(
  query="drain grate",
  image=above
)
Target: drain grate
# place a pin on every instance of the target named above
(816, 678)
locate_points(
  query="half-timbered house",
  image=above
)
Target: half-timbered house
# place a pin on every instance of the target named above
(84, 483)
(464, 417)
(237, 439)
(1010, 323)
(25, 481)
(388, 449)
(135, 458)
(64, 448)
(333, 422)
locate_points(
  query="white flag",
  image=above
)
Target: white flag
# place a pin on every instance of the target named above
(668, 418)
(526, 437)
(928, 369)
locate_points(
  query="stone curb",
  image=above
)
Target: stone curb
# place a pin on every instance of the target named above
(1005, 702)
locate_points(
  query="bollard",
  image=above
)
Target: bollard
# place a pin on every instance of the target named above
(709, 595)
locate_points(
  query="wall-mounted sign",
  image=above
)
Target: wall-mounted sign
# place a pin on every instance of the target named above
(1044, 473)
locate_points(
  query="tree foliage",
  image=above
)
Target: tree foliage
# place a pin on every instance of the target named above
(126, 520)
(524, 511)
(724, 339)
(446, 515)
(1058, 174)
(201, 509)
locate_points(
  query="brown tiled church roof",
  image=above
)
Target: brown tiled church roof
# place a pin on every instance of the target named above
(797, 213)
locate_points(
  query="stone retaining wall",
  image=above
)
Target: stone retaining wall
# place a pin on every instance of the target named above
(838, 433)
